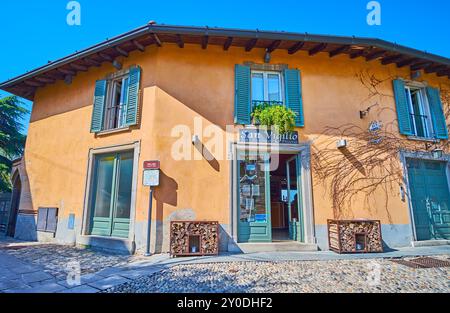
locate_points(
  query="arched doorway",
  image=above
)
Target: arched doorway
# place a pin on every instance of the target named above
(15, 203)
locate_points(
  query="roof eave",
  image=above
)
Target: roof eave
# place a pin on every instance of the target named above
(237, 33)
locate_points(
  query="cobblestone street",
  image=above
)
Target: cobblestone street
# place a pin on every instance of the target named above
(43, 268)
(294, 276)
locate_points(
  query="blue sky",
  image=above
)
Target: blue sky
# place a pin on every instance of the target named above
(33, 32)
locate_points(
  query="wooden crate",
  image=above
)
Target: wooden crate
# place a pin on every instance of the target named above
(355, 236)
(185, 234)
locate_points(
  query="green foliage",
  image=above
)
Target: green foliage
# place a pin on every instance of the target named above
(12, 141)
(279, 116)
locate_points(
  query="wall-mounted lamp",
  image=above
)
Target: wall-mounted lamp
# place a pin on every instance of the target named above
(195, 140)
(415, 74)
(362, 114)
(341, 144)
(437, 153)
(68, 79)
(267, 57)
(117, 65)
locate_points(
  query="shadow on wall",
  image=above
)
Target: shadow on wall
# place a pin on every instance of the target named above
(386, 247)
(209, 157)
(166, 193)
(354, 161)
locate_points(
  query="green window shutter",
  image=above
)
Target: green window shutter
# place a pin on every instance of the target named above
(242, 105)
(402, 107)
(437, 113)
(133, 96)
(99, 106)
(293, 94)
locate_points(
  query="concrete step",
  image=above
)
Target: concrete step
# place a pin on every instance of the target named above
(431, 243)
(283, 246)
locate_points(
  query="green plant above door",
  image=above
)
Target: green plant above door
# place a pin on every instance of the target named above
(278, 116)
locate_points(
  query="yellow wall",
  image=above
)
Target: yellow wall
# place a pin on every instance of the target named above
(178, 85)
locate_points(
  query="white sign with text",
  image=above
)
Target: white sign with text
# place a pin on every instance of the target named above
(151, 178)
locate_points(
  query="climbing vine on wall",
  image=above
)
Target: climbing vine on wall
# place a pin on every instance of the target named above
(369, 166)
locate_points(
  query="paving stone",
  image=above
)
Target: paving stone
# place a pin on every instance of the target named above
(108, 282)
(133, 274)
(110, 271)
(47, 281)
(56, 258)
(44, 288)
(12, 284)
(84, 279)
(9, 276)
(23, 269)
(36, 277)
(81, 289)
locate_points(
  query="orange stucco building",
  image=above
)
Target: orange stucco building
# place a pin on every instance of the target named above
(86, 144)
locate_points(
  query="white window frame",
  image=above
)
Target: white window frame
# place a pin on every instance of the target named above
(424, 110)
(110, 97)
(266, 84)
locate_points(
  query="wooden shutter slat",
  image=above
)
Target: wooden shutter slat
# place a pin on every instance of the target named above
(293, 94)
(437, 113)
(133, 96)
(99, 106)
(52, 220)
(242, 105)
(42, 219)
(402, 108)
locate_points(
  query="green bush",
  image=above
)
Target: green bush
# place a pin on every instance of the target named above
(279, 116)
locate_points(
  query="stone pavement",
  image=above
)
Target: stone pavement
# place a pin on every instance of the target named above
(336, 276)
(42, 268)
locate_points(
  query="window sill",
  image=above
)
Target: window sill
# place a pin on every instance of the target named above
(112, 131)
(424, 139)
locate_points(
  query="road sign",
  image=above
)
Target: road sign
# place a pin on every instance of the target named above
(152, 165)
(151, 178)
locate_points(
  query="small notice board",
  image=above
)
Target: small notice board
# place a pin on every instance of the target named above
(151, 178)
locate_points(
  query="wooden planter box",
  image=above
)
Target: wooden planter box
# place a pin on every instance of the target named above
(355, 236)
(194, 238)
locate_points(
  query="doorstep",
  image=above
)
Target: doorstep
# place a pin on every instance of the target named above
(285, 246)
(430, 243)
(108, 244)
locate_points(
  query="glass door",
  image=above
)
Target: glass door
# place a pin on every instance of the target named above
(254, 221)
(293, 199)
(111, 195)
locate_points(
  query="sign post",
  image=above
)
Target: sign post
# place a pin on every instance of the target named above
(150, 179)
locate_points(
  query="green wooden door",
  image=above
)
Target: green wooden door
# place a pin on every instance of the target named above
(111, 194)
(254, 220)
(295, 213)
(430, 199)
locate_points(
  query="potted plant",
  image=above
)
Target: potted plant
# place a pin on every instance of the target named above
(278, 116)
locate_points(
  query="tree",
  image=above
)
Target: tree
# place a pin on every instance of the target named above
(12, 141)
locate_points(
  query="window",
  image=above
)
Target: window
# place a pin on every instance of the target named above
(116, 102)
(266, 87)
(420, 114)
(275, 84)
